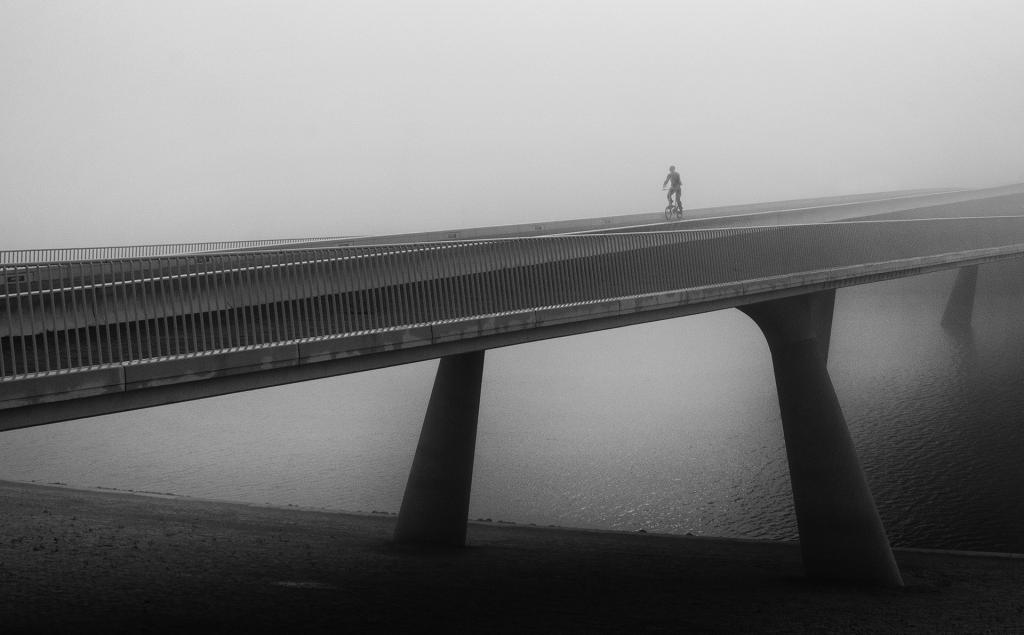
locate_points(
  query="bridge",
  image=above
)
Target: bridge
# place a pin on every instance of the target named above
(94, 331)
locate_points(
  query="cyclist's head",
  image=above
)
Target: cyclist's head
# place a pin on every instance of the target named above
(671, 168)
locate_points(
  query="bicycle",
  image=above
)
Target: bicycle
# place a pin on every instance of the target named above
(674, 211)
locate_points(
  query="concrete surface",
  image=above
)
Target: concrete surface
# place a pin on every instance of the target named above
(81, 561)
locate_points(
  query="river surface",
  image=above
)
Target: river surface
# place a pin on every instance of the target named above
(668, 427)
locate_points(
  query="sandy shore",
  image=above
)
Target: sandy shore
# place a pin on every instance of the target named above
(72, 560)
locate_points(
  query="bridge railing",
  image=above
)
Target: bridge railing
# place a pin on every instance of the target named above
(29, 256)
(66, 316)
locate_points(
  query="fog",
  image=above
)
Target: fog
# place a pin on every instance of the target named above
(140, 122)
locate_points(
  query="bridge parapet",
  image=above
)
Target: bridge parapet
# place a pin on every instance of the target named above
(57, 254)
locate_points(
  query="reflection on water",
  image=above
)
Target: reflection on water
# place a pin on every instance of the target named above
(939, 426)
(668, 427)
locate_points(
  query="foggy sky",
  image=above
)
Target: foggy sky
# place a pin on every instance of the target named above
(130, 121)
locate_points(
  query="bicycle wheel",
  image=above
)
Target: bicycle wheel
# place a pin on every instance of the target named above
(669, 211)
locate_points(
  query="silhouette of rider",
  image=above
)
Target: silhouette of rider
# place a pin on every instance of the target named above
(677, 186)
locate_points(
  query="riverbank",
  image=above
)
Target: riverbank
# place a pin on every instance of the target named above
(72, 560)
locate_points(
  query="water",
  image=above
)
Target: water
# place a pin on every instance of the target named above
(668, 427)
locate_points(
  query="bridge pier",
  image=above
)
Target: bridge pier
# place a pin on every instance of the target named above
(435, 505)
(841, 534)
(960, 306)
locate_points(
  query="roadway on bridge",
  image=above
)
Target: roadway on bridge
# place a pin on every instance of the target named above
(820, 209)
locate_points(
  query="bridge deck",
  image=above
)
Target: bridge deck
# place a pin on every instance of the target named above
(79, 329)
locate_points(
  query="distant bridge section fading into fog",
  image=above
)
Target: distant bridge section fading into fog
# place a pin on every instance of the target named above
(127, 328)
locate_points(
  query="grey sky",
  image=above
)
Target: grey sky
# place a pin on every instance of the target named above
(132, 121)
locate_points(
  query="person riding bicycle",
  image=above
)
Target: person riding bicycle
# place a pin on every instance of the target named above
(677, 186)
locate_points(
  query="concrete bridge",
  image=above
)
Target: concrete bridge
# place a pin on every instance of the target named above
(100, 331)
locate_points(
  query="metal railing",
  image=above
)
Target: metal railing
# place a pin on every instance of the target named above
(65, 316)
(28, 256)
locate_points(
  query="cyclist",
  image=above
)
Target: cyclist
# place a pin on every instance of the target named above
(677, 186)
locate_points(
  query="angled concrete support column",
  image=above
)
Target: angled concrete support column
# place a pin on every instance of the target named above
(960, 305)
(436, 501)
(841, 534)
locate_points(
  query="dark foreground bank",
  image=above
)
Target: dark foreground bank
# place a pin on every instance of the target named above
(72, 560)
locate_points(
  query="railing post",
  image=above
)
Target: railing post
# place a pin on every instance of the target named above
(436, 501)
(841, 534)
